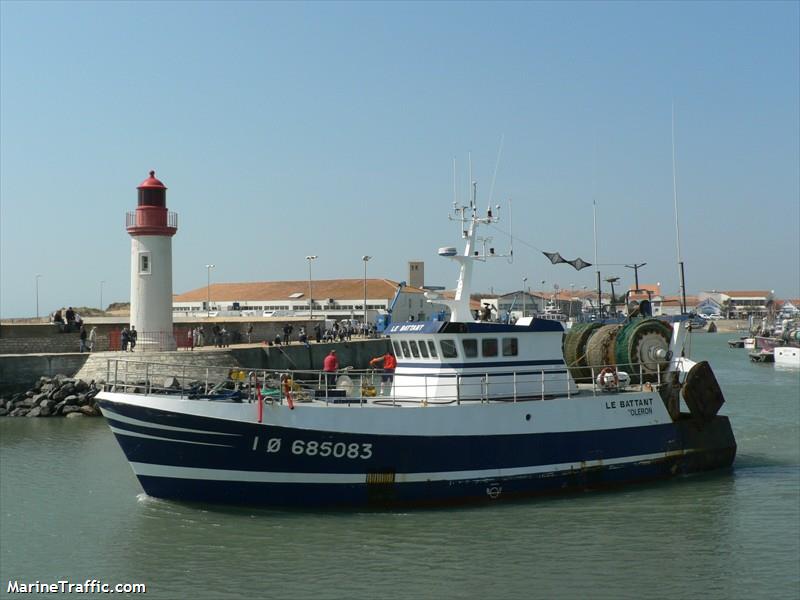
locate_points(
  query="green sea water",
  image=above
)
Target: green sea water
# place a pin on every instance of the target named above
(71, 509)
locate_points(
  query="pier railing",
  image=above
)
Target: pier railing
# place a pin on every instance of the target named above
(360, 387)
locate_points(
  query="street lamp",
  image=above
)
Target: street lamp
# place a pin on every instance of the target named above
(101, 294)
(571, 298)
(310, 288)
(365, 258)
(636, 268)
(37, 294)
(208, 290)
(612, 281)
(524, 281)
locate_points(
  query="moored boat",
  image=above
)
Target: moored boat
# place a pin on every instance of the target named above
(475, 411)
(787, 356)
(787, 353)
(762, 355)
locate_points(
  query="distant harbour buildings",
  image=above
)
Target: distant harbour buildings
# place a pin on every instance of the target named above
(334, 299)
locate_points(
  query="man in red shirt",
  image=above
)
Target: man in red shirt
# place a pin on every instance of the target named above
(330, 365)
(389, 365)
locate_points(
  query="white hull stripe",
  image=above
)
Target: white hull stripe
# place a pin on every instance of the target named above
(173, 472)
(110, 414)
(155, 437)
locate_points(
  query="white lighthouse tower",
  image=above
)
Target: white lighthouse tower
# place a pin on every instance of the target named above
(151, 228)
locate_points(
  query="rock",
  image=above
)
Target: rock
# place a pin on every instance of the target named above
(88, 411)
(65, 390)
(40, 399)
(34, 412)
(81, 386)
(44, 411)
(47, 404)
(26, 403)
(172, 382)
(29, 393)
(3, 412)
(71, 400)
(74, 415)
(68, 409)
(18, 412)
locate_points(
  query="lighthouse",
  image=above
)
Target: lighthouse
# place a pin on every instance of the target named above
(151, 228)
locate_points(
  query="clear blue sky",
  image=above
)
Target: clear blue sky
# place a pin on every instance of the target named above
(329, 128)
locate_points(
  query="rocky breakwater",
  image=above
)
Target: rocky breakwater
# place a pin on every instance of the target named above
(52, 397)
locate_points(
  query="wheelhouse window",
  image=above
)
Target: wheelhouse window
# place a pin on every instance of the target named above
(470, 348)
(423, 349)
(406, 351)
(489, 347)
(396, 347)
(432, 348)
(414, 348)
(510, 347)
(449, 349)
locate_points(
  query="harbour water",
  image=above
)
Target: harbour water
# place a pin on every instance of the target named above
(71, 509)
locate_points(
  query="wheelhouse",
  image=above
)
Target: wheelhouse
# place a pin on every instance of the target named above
(478, 360)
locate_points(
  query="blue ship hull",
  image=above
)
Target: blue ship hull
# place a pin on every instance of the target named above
(202, 459)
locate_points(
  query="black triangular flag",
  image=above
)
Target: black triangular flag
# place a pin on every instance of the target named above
(554, 257)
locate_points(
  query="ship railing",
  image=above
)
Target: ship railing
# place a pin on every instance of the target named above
(361, 387)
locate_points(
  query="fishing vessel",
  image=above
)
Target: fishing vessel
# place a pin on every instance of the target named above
(475, 412)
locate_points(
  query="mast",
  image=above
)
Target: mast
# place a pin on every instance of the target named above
(677, 226)
(455, 192)
(469, 221)
(599, 289)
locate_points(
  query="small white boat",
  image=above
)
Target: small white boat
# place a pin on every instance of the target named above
(787, 356)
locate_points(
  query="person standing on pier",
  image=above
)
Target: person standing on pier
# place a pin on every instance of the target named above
(92, 338)
(83, 338)
(133, 335)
